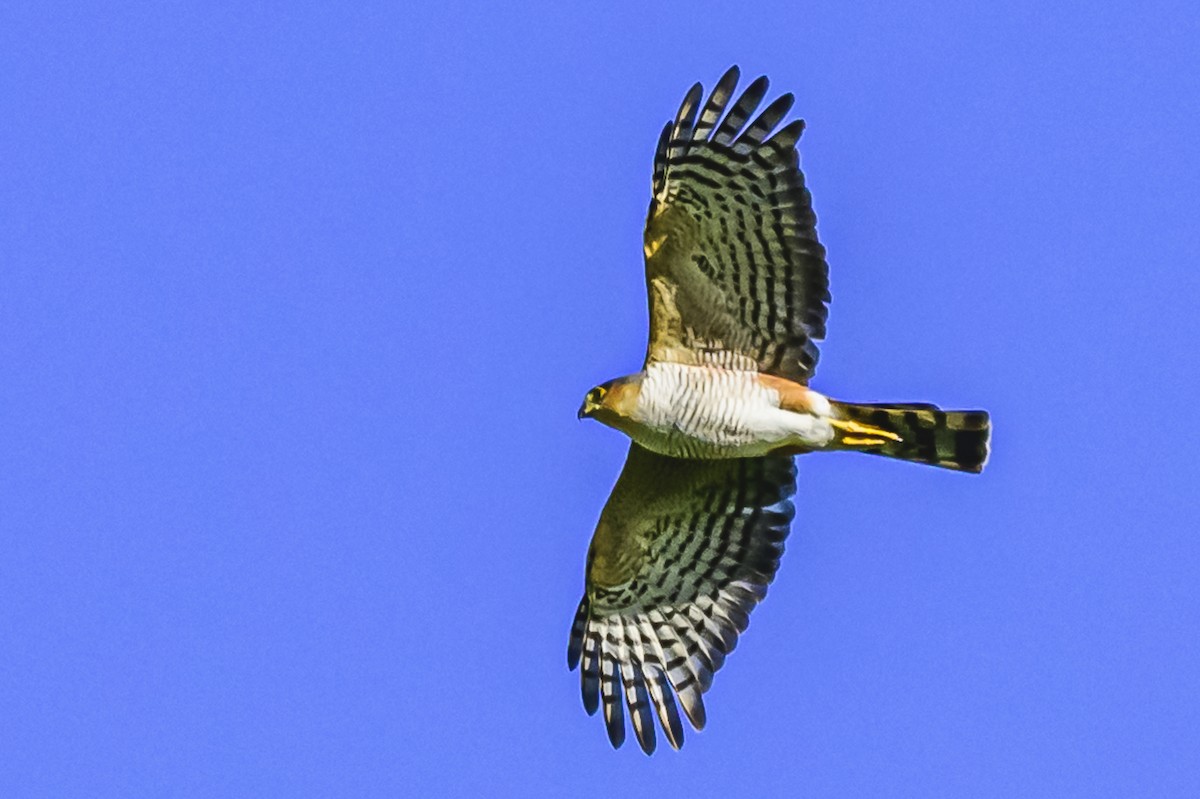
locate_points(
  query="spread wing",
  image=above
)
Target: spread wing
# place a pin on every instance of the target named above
(683, 552)
(734, 271)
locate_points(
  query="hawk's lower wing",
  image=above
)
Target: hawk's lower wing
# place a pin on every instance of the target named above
(683, 552)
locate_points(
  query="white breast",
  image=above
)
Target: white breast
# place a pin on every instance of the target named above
(709, 412)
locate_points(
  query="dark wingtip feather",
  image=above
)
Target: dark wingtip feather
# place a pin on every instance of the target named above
(589, 675)
(640, 712)
(668, 713)
(686, 118)
(765, 122)
(741, 111)
(578, 627)
(699, 716)
(614, 704)
(660, 161)
(785, 139)
(684, 126)
(716, 103)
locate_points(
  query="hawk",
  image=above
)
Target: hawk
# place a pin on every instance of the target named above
(694, 529)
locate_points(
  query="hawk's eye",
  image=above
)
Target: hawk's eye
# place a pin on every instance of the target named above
(598, 393)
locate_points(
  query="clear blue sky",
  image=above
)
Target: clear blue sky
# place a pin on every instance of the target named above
(297, 304)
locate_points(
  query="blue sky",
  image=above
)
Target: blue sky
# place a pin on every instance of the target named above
(297, 304)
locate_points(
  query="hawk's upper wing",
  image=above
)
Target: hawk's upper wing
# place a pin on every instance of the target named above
(683, 551)
(733, 267)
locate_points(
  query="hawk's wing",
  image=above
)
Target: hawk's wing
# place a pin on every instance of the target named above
(683, 552)
(733, 267)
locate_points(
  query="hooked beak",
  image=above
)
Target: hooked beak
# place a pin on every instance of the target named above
(586, 409)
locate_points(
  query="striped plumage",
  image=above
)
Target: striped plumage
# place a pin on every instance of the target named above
(950, 439)
(693, 530)
(672, 583)
(689, 411)
(733, 266)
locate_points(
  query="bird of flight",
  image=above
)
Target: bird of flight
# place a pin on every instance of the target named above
(693, 531)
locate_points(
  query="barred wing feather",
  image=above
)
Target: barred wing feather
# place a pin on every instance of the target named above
(682, 553)
(734, 271)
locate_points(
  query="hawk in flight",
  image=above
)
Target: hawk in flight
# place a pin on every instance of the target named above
(693, 531)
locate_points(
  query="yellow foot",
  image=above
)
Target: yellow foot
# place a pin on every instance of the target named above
(848, 428)
(851, 441)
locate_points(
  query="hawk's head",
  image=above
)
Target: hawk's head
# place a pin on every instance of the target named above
(611, 401)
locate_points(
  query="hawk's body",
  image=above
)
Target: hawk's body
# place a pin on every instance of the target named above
(693, 531)
(689, 411)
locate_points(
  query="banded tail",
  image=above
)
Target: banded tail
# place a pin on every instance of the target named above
(915, 432)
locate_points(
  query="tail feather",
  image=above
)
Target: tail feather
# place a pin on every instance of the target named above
(917, 432)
